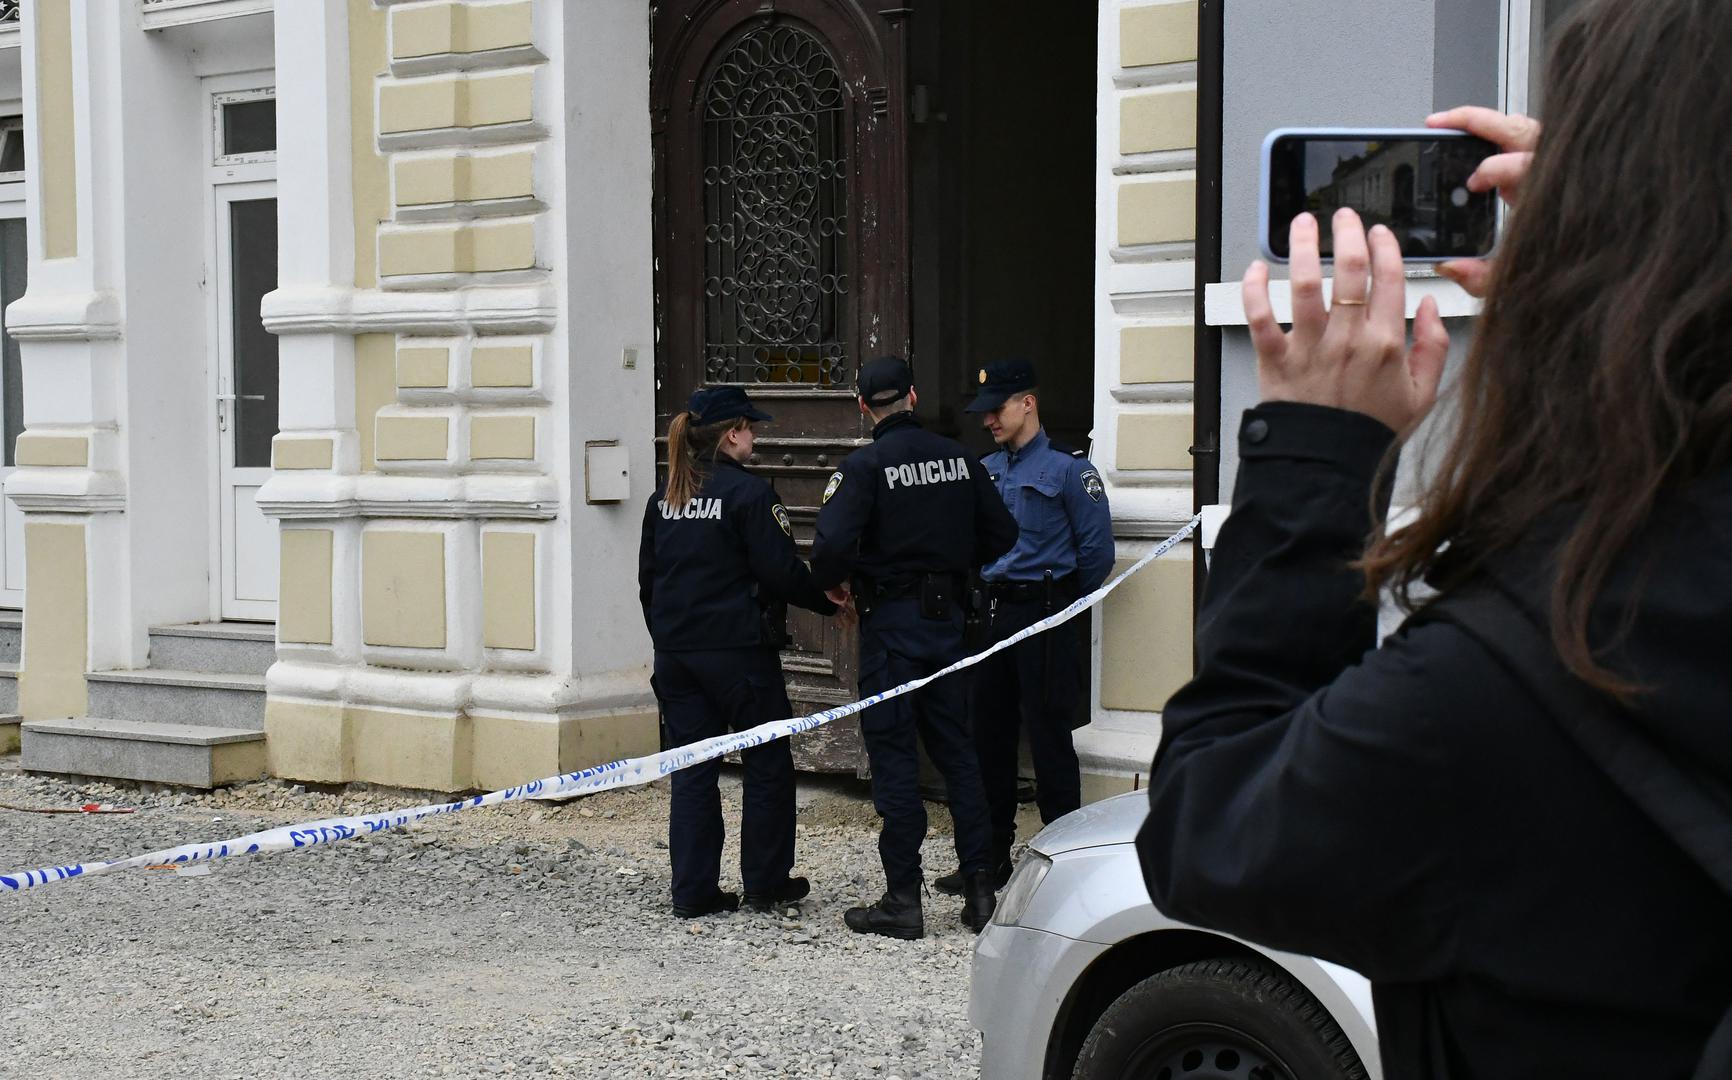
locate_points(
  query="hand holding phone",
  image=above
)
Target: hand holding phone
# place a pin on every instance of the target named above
(1516, 136)
(1414, 182)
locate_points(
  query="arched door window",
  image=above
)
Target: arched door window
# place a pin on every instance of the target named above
(775, 176)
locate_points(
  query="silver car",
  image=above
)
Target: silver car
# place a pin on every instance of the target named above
(1079, 976)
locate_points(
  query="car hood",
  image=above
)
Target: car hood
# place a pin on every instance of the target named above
(1110, 821)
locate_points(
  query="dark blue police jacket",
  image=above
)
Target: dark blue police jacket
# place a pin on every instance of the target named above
(911, 503)
(706, 569)
(1060, 503)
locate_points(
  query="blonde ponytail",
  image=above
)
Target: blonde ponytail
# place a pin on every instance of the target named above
(683, 478)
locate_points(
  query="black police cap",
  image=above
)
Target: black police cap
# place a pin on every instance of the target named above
(999, 380)
(885, 381)
(716, 404)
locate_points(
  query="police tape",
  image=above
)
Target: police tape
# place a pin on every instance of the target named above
(619, 774)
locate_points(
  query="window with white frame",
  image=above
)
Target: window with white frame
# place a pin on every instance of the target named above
(11, 149)
(246, 126)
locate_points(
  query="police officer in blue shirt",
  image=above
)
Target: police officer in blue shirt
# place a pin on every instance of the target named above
(1065, 551)
(908, 518)
(716, 569)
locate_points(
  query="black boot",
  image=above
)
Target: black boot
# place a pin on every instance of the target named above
(952, 884)
(791, 891)
(980, 902)
(897, 915)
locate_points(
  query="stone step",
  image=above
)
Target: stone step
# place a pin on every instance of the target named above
(200, 698)
(11, 636)
(9, 734)
(190, 755)
(228, 647)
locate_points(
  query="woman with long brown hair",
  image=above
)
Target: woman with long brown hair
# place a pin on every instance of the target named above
(1511, 816)
(716, 571)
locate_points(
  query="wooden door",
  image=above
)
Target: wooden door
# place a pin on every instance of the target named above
(782, 252)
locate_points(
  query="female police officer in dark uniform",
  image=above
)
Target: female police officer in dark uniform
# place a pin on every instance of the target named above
(715, 573)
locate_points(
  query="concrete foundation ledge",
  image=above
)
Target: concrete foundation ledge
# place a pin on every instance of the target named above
(339, 743)
(1115, 760)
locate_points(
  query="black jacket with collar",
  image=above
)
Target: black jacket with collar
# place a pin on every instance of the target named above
(913, 502)
(707, 569)
(1413, 812)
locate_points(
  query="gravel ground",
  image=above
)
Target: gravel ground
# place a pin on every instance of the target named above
(531, 939)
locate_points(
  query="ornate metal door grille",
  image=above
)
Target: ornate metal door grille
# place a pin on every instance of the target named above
(776, 213)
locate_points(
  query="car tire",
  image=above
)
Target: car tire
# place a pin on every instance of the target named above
(1217, 1020)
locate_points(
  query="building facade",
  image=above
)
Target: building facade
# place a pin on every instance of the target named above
(340, 333)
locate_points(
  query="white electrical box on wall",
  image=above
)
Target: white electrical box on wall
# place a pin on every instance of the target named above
(606, 472)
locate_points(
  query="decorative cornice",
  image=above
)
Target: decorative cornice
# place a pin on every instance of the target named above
(323, 496)
(163, 13)
(467, 692)
(66, 491)
(487, 60)
(63, 316)
(478, 309)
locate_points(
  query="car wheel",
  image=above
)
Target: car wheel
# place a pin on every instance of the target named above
(1217, 1020)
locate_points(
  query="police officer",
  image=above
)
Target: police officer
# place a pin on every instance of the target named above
(908, 518)
(1064, 551)
(716, 570)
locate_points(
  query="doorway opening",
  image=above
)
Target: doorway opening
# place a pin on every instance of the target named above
(1003, 160)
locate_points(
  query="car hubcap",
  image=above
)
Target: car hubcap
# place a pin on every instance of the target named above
(1206, 1052)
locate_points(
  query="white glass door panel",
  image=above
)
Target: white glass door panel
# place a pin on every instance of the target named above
(246, 397)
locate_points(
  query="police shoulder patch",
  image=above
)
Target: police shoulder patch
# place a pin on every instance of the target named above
(1092, 486)
(835, 482)
(781, 513)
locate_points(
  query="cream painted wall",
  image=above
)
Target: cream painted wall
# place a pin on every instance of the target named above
(51, 678)
(55, 119)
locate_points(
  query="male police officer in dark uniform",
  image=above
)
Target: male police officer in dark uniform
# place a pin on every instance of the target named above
(1065, 551)
(909, 517)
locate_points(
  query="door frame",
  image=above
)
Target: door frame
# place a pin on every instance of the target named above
(228, 180)
(12, 207)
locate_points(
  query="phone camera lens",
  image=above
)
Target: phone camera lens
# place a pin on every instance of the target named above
(1459, 197)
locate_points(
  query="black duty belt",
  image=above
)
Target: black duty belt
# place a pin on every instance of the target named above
(896, 588)
(1029, 592)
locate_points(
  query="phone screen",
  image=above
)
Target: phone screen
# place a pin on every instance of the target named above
(1416, 185)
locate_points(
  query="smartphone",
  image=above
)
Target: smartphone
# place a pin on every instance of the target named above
(1412, 180)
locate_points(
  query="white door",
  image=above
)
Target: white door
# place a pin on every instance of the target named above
(12, 268)
(246, 397)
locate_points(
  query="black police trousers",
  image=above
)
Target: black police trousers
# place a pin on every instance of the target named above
(1032, 686)
(898, 644)
(703, 695)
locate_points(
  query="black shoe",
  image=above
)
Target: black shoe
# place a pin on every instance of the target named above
(715, 905)
(791, 891)
(897, 915)
(980, 903)
(952, 884)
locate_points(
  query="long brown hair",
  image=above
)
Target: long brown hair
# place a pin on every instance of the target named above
(692, 448)
(1600, 377)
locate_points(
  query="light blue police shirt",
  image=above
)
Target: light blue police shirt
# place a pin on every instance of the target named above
(1060, 504)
